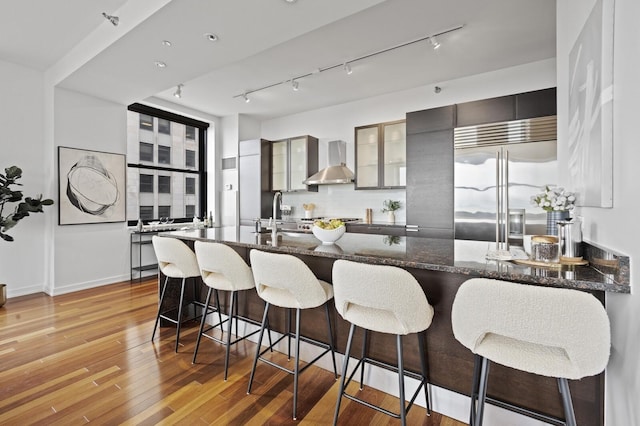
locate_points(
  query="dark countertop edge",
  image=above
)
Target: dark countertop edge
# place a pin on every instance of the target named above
(472, 272)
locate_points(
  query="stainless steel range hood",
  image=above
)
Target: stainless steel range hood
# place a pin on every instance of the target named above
(337, 172)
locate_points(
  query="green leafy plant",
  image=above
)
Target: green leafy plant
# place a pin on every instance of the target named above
(390, 206)
(8, 195)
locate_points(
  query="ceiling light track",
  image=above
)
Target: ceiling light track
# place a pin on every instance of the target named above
(346, 64)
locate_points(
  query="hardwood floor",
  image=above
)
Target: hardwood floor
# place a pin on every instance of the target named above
(86, 357)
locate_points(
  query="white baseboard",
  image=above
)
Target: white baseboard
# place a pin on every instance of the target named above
(85, 285)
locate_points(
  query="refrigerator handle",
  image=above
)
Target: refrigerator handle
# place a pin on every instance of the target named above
(498, 204)
(506, 199)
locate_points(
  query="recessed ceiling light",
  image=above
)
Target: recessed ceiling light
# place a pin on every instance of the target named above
(166, 43)
(210, 36)
(160, 64)
(290, 1)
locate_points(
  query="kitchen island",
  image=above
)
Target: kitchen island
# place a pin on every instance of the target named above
(440, 266)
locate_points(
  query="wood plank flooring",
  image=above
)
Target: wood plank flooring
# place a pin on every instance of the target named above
(86, 357)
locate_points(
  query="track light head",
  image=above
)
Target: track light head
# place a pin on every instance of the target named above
(434, 43)
(295, 85)
(178, 92)
(246, 98)
(347, 68)
(111, 18)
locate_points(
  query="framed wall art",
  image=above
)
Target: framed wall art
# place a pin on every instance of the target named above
(91, 186)
(591, 109)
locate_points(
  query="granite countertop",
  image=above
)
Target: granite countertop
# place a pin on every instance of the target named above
(607, 271)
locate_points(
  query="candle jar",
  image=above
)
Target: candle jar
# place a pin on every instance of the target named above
(545, 248)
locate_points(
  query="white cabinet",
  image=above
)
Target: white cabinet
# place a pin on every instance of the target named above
(292, 161)
(381, 159)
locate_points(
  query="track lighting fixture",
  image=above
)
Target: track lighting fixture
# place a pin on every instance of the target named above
(434, 42)
(178, 92)
(111, 18)
(246, 98)
(347, 64)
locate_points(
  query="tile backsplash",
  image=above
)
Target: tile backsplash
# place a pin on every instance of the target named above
(344, 201)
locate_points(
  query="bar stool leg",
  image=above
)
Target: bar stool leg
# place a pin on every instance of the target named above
(331, 346)
(296, 370)
(228, 343)
(482, 394)
(569, 414)
(218, 305)
(425, 369)
(403, 412)
(179, 322)
(364, 354)
(344, 373)
(204, 316)
(255, 360)
(475, 384)
(164, 289)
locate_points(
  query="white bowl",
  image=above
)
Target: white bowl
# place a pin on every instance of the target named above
(328, 236)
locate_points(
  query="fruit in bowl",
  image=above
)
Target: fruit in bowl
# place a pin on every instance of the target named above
(328, 232)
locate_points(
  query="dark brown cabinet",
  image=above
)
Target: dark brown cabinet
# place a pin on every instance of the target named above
(492, 110)
(292, 161)
(539, 103)
(431, 120)
(430, 184)
(430, 172)
(381, 155)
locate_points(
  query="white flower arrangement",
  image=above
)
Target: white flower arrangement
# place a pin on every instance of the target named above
(555, 199)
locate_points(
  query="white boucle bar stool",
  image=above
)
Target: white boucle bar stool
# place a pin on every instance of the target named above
(552, 332)
(175, 260)
(223, 269)
(286, 281)
(384, 299)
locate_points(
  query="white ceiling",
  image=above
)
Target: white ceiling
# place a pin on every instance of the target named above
(264, 42)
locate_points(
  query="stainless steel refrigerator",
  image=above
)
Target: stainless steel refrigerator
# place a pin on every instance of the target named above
(498, 168)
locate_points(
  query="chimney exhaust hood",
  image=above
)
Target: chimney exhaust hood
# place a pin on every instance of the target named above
(337, 172)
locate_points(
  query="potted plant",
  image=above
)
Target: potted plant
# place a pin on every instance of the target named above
(390, 206)
(22, 210)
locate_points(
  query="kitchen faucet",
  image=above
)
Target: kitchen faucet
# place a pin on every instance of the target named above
(275, 209)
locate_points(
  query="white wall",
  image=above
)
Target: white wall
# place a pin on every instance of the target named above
(614, 228)
(89, 255)
(22, 262)
(339, 121)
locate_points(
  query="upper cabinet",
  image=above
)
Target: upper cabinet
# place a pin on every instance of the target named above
(539, 103)
(381, 159)
(431, 120)
(292, 161)
(492, 110)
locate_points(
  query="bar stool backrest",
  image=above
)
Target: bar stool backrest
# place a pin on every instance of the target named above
(222, 267)
(175, 258)
(552, 332)
(284, 280)
(380, 298)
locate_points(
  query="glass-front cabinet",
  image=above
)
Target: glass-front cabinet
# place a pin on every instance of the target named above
(381, 160)
(294, 160)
